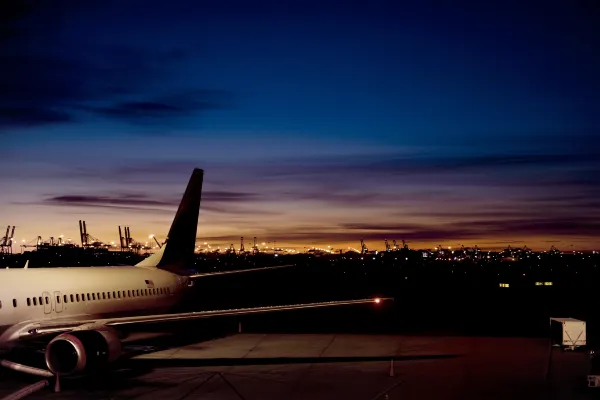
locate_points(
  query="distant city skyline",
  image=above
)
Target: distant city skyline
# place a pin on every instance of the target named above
(316, 125)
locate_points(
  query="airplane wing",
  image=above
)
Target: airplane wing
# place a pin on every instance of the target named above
(237, 271)
(37, 329)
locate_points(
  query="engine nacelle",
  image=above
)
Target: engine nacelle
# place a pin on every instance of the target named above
(83, 350)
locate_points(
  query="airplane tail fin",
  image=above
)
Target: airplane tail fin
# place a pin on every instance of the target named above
(177, 253)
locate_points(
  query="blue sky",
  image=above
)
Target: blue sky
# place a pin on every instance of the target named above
(316, 122)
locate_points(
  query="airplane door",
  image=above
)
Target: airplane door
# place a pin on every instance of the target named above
(58, 304)
(47, 302)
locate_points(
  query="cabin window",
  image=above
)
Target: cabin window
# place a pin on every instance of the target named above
(145, 292)
(88, 297)
(118, 293)
(93, 296)
(34, 301)
(28, 302)
(41, 301)
(77, 297)
(103, 295)
(14, 302)
(72, 300)
(129, 293)
(98, 295)
(57, 299)
(82, 296)
(0, 304)
(154, 292)
(114, 295)
(47, 302)
(65, 298)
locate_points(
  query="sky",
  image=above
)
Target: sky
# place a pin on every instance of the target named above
(317, 123)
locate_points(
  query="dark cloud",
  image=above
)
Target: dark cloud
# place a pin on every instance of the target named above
(168, 107)
(132, 199)
(124, 200)
(339, 198)
(152, 168)
(48, 78)
(226, 197)
(212, 201)
(235, 211)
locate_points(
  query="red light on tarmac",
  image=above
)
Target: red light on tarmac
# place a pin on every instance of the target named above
(377, 300)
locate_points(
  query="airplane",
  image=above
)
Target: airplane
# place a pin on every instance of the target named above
(80, 312)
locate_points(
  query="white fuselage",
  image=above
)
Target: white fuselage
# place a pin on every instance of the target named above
(41, 294)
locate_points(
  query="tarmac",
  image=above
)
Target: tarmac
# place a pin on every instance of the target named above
(337, 366)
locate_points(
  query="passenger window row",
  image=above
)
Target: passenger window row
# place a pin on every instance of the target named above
(76, 297)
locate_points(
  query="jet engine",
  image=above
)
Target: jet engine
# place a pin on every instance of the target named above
(83, 350)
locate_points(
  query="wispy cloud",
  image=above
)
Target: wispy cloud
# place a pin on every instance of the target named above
(443, 233)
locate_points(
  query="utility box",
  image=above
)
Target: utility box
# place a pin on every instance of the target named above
(568, 333)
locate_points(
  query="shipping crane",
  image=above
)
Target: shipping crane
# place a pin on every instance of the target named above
(231, 249)
(7, 241)
(363, 247)
(156, 240)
